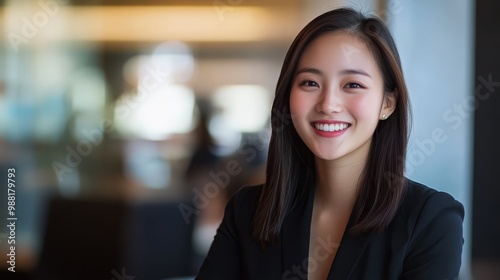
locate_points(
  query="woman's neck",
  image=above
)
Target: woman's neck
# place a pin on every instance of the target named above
(337, 180)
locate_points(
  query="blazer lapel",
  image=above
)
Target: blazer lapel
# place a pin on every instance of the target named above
(295, 234)
(349, 253)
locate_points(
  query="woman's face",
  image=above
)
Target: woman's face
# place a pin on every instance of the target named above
(337, 97)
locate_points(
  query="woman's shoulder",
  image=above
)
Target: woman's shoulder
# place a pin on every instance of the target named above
(430, 225)
(422, 203)
(250, 190)
(244, 201)
(418, 193)
(247, 195)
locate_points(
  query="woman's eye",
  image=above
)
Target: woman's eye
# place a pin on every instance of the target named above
(353, 85)
(309, 84)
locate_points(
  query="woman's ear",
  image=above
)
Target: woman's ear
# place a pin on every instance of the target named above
(388, 104)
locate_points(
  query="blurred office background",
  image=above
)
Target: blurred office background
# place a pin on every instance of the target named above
(130, 123)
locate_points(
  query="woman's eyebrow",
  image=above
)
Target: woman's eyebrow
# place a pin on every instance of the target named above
(343, 72)
(309, 70)
(355, 72)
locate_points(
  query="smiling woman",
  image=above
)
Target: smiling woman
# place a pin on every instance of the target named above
(336, 204)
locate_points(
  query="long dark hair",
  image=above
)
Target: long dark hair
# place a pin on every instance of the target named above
(290, 164)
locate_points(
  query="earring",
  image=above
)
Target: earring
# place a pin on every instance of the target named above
(384, 117)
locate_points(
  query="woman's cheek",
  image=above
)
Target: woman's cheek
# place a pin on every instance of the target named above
(297, 104)
(365, 106)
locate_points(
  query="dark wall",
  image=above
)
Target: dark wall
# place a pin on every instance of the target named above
(486, 188)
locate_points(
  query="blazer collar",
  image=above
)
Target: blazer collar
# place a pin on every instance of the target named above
(295, 237)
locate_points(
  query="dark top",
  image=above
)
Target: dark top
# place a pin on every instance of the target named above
(423, 241)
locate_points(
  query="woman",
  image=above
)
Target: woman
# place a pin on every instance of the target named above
(336, 204)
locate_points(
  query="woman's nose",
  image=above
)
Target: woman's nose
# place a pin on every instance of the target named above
(330, 102)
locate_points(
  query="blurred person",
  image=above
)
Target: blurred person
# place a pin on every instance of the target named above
(205, 155)
(203, 160)
(205, 164)
(336, 204)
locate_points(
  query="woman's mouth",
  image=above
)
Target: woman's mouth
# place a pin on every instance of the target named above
(330, 127)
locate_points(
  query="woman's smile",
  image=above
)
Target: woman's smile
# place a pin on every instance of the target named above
(330, 128)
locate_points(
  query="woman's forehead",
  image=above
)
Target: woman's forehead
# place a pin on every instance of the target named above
(338, 50)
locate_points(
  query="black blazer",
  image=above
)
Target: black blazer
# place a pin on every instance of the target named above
(423, 242)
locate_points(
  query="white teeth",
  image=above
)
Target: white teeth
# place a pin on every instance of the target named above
(331, 127)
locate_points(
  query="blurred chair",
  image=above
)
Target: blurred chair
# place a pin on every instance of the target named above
(160, 242)
(114, 240)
